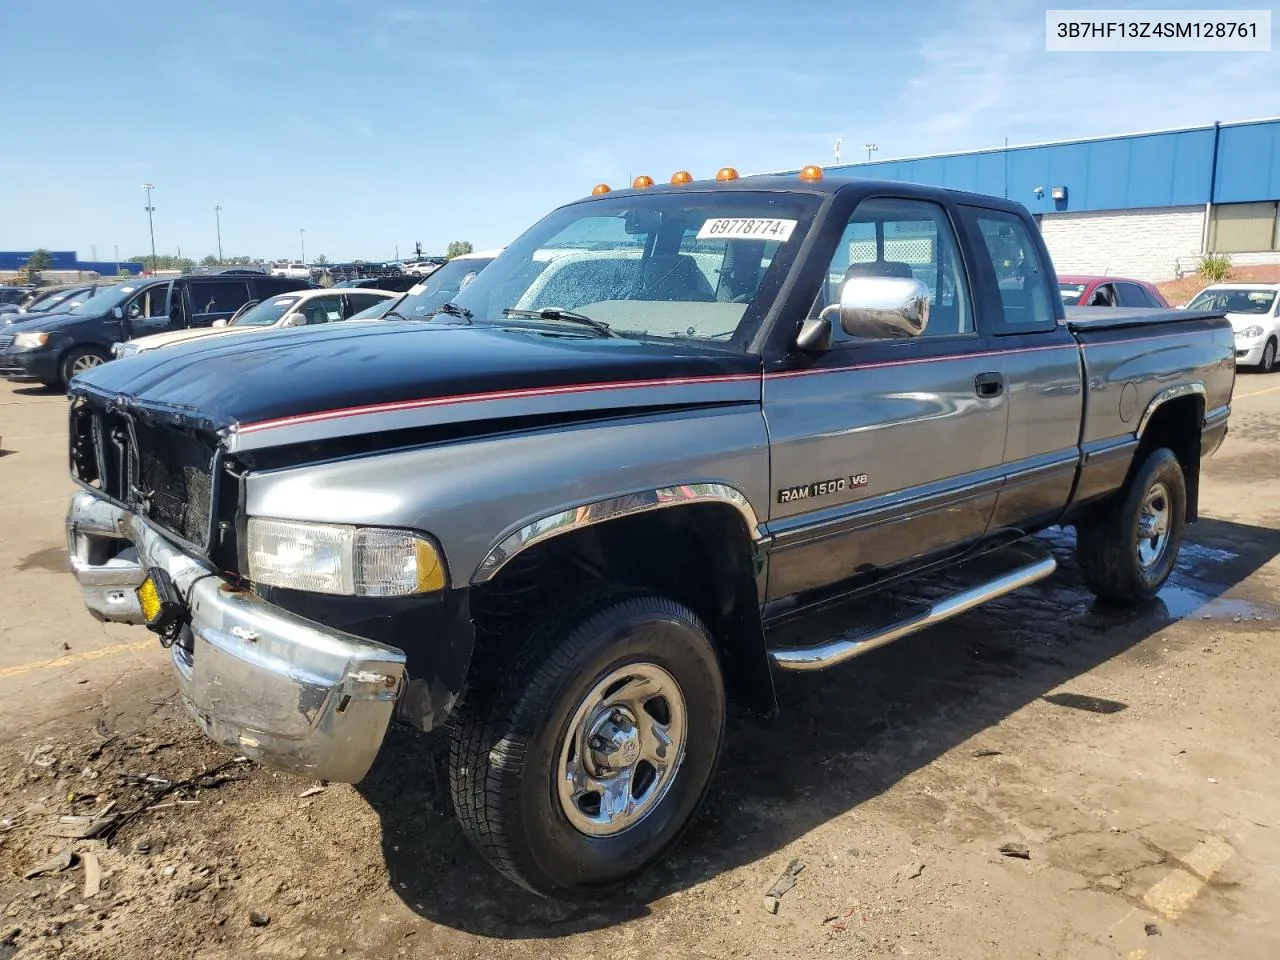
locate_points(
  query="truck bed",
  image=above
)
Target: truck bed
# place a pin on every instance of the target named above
(1114, 318)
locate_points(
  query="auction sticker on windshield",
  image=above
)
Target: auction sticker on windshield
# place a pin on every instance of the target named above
(753, 228)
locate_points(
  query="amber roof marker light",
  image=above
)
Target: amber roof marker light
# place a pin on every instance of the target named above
(600, 189)
(681, 177)
(641, 182)
(726, 173)
(811, 172)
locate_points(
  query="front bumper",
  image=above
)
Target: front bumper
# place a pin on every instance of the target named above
(283, 690)
(1249, 354)
(39, 365)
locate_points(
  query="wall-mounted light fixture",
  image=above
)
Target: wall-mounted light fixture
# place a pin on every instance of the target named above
(1058, 193)
(1039, 192)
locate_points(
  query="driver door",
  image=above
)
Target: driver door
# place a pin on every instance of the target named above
(148, 311)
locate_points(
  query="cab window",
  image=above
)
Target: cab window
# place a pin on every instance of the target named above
(905, 239)
(1026, 296)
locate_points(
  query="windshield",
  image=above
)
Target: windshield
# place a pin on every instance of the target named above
(1071, 293)
(1257, 301)
(106, 299)
(425, 298)
(265, 314)
(689, 266)
(54, 300)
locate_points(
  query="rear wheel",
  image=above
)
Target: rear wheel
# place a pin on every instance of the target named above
(1127, 550)
(584, 763)
(79, 360)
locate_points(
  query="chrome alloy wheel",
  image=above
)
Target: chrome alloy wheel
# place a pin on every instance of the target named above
(1153, 526)
(622, 750)
(86, 362)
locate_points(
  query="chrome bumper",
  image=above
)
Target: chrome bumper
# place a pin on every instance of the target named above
(280, 689)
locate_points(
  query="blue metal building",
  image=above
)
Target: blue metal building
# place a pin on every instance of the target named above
(1142, 204)
(67, 260)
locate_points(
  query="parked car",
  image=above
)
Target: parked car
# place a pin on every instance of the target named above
(1254, 312)
(11, 298)
(591, 489)
(296, 309)
(424, 267)
(53, 349)
(398, 283)
(291, 268)
(1078, 291)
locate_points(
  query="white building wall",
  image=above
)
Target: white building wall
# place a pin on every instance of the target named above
(1144, 244)
(1254, 259)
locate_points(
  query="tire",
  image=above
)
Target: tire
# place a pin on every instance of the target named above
(1268, 357)
(1115, 563)
(514, 742)
(78, 360)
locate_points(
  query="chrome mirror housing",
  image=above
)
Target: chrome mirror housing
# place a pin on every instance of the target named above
(886, 308)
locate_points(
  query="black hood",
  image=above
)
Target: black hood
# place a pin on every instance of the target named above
(251, 379)
(54, 320)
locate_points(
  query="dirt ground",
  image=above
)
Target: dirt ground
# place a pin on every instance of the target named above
(1130, 759)
(1178, 292)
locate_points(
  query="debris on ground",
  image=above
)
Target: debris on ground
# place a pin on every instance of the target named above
(1151, 929)
(312, 791)
(784, 883)
(841, 924)
(1016, 850)
(60, 861)
(92, 874)
(911, 871)
(986, 753)
(258, 919)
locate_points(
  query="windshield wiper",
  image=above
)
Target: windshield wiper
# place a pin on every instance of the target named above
(568, 316)
(454, 310)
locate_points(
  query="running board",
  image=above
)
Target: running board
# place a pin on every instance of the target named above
(1032, 564)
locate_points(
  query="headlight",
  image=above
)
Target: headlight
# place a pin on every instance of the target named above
(30, 341)
(1249, 333)
(344, 560)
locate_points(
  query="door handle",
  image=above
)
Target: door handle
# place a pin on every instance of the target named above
(988, 385)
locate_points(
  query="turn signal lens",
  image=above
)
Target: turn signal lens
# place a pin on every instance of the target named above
(726, 173)
(600, 189)
(811, 172)
(681, 177)
(640, 182)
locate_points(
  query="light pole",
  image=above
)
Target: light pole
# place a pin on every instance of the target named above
(870, 148)
(151, 224)
(839, 144)
(302, 236)
(217, 219)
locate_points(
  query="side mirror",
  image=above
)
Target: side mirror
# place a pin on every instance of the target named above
(219, 323)
(117, 313)
(885, 308)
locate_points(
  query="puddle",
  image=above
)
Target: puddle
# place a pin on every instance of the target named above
(1182, 603)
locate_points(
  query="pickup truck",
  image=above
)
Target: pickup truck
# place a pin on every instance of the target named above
(562, 518)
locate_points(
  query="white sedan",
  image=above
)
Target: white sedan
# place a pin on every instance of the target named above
(1252, 310)
(295, 309)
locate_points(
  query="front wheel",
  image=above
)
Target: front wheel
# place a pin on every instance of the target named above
(79, 360)
(1127, 550)
(582, 766)
(1268, 357)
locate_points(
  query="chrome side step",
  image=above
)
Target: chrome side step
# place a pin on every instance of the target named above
(1032, 564)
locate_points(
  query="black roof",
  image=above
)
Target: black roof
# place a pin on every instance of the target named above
(828, 186)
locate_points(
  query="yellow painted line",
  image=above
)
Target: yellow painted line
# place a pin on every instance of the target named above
(1172, 895)
(1256, 393)
(72, 659)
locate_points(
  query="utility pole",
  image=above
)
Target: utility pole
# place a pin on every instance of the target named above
(302, 235)
(217, 219)
(151, 224)
(839, 144)
(870, 148)
(117, 249)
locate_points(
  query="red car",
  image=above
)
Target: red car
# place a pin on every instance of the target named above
(1109, 292)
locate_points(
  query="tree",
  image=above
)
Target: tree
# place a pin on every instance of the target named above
(457, 248)
(210, 261)
(39, 260)
(321, 260)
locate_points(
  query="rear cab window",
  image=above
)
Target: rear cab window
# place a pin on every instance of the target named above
(1025, 290)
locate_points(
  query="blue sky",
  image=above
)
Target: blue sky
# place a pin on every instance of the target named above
(376, 125)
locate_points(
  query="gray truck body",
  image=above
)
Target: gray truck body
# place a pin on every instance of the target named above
(823, 473)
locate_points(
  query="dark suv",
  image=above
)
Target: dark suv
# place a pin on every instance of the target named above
(53, 348)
